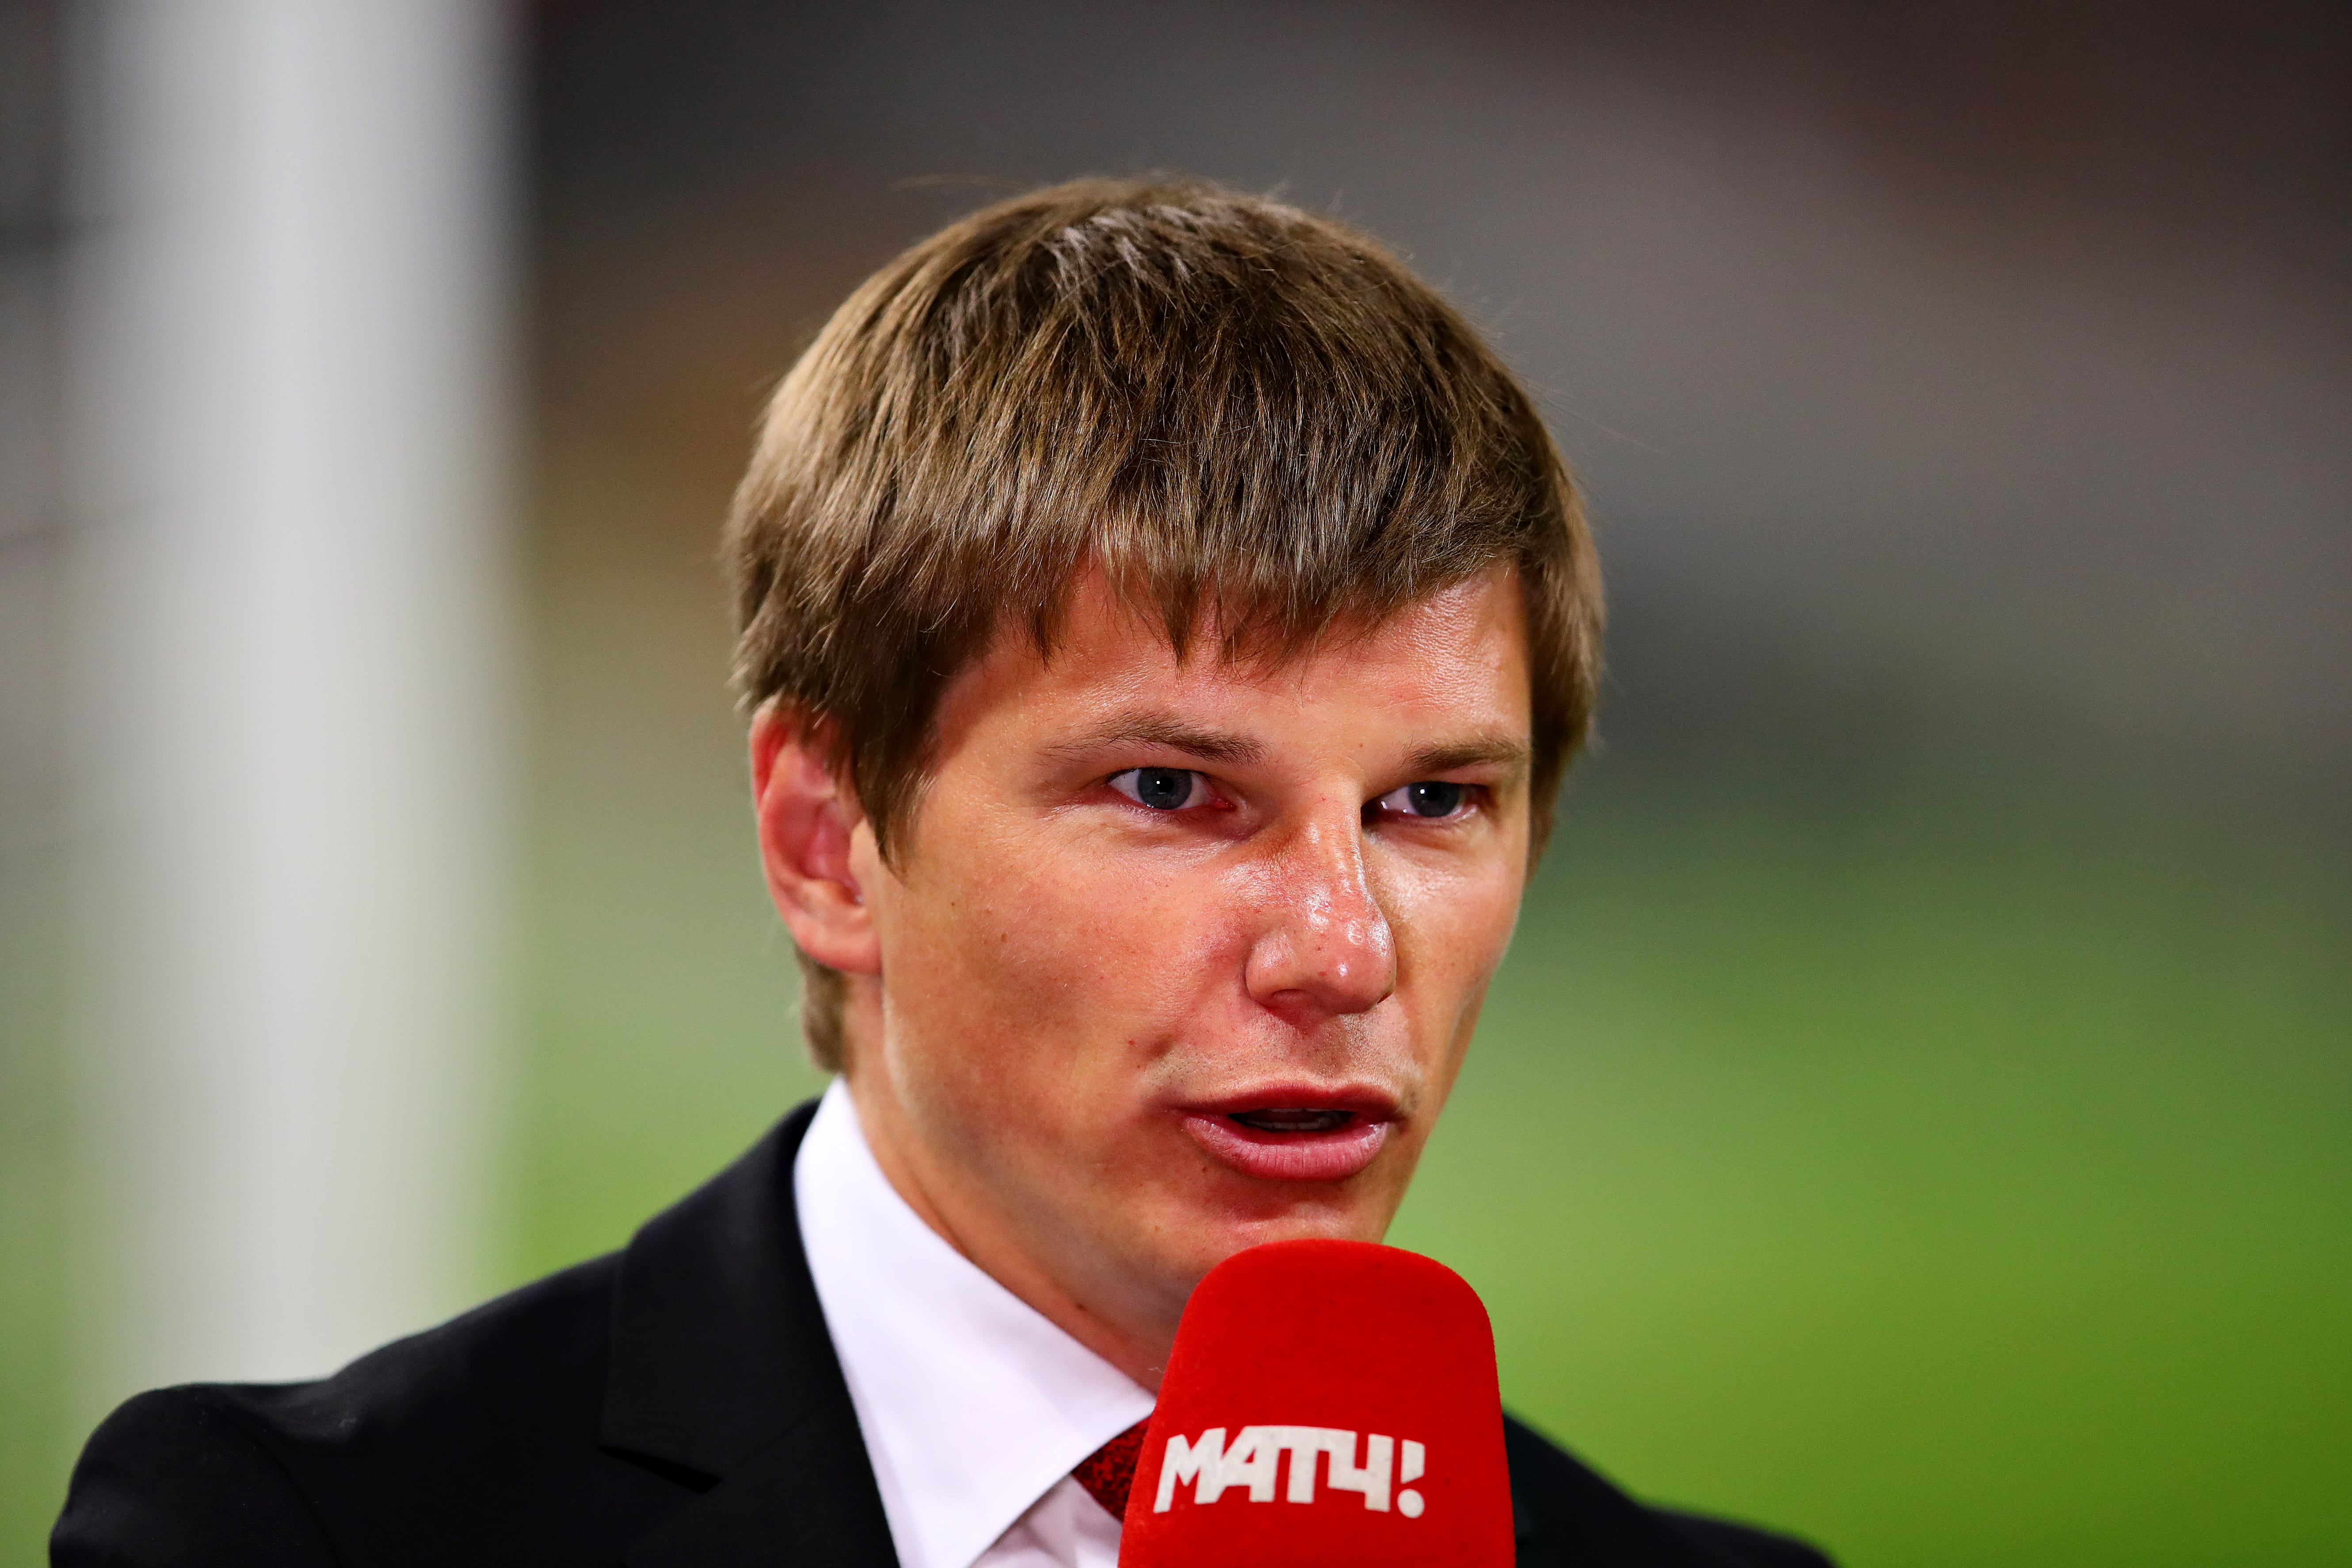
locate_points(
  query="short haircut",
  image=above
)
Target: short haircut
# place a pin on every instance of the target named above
(1256, 421)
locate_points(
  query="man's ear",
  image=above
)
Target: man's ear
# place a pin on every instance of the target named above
(808, 821)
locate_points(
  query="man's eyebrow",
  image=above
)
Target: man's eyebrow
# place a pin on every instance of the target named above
(1507, 752)
(1164, 729)
(1176, 734)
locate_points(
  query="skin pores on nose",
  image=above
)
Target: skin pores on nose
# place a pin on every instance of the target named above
(1336, 954)
(1067, 976)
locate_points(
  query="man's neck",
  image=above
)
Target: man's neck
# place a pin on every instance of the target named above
(1132, 1341)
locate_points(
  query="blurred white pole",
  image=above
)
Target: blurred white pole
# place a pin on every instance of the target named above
(288, 332)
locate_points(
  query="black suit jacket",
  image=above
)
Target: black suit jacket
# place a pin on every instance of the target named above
(678, 1403)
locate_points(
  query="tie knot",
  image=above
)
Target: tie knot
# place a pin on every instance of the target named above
(1108, 1473)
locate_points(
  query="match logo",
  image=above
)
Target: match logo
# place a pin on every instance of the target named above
(1213, 1467)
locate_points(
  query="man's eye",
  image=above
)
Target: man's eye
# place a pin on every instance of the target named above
(1429, 798)
(1161, 789)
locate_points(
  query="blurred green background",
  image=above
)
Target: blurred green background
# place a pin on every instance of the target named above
(1916, 1111)
(1957, 1186)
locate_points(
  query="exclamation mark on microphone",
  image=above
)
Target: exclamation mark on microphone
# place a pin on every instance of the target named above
(1414, 1461)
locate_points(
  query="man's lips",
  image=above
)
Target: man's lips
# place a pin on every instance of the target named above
(1291, 1139)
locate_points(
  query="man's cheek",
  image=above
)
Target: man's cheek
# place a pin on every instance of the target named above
(1029, 978)
(1113, 928)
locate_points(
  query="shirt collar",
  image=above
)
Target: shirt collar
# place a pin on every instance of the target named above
(972, 1403)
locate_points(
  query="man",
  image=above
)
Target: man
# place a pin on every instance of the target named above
(1165, 625)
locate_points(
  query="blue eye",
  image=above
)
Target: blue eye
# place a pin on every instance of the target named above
(1428, 798)
(1435, 799)
(1161, 789)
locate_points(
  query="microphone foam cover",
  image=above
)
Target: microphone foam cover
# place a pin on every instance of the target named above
(1326, 1401)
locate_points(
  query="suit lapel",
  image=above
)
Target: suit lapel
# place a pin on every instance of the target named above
(721, 1367)
(723, 1376)
(807, 1498)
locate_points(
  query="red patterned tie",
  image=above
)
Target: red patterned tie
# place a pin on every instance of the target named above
(1110, 1471)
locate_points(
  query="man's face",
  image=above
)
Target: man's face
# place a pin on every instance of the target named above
(1181, 956)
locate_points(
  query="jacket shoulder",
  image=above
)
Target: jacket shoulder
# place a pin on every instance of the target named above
(1730, 1541)
(527, 1368)
(174, 1479)
(472, 1441)
(1564, 1512)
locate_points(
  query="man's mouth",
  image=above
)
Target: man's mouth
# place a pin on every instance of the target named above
(1291, 1142)
(1294, 1121)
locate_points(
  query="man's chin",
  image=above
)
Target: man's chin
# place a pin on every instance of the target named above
(1209, 1238)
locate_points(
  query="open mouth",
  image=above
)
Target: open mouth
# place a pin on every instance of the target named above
(1297, 1121)
(1290, 1142)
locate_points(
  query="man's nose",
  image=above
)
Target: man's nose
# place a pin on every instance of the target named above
(1324, 946)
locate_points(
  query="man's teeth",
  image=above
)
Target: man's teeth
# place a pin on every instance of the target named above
(1294, 1121)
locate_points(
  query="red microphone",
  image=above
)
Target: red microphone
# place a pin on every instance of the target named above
(1325, 1403)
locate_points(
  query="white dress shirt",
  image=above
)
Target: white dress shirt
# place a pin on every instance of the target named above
(974, 1407)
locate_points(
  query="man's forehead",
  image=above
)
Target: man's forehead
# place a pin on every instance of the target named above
(1097, 614)
(1446, 674)
(1452, 666)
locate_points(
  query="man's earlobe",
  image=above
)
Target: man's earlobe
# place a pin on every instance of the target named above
(809, 822)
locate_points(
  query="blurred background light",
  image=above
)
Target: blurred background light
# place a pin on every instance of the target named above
(1918, 1109)
(268, 587)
